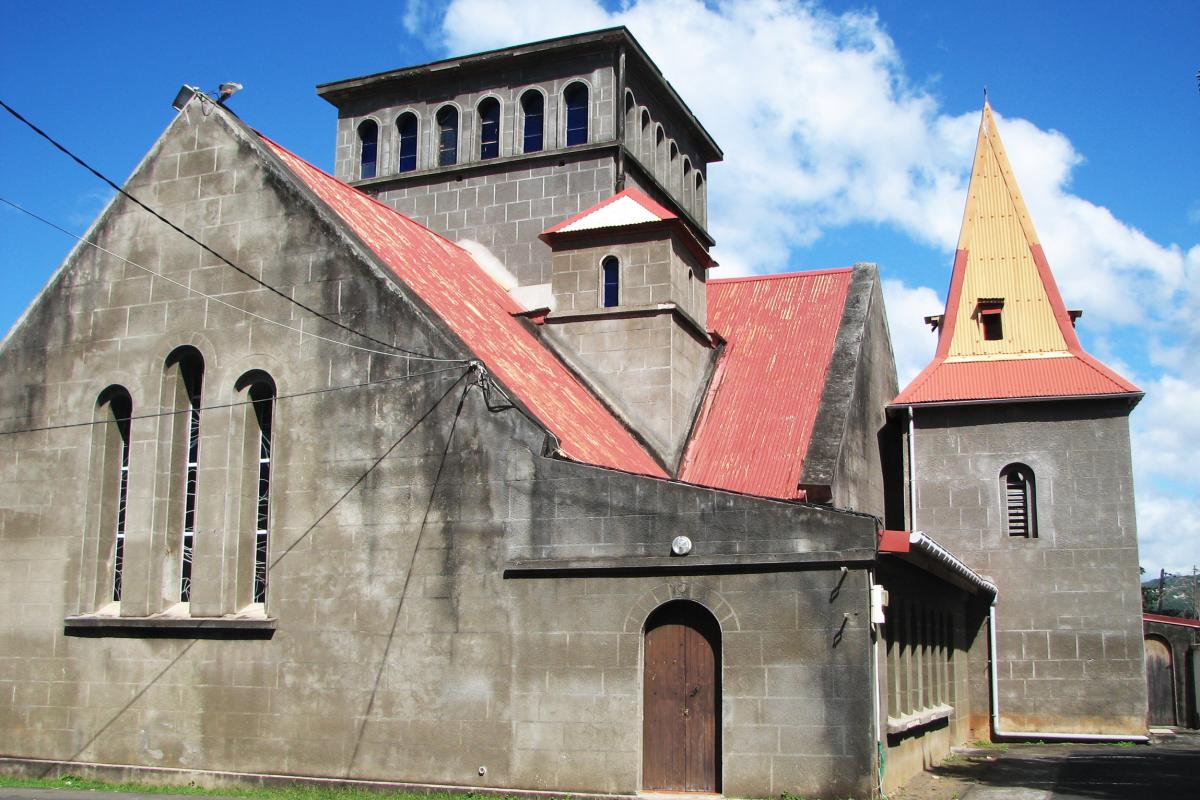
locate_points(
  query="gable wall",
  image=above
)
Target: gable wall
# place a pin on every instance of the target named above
(402, 651)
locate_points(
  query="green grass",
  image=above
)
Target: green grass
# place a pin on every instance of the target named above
(298, 792)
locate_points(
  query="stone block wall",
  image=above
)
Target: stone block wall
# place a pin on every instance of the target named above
(1069, 610)
(395, 643)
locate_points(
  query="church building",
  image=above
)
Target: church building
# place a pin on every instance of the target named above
(460, 469)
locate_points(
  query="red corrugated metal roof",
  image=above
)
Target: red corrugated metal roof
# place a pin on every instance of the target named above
(1073, 375)
(757, 418)
(476, 308)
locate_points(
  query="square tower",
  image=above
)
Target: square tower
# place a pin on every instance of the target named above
(499, 146)
(1019, 462)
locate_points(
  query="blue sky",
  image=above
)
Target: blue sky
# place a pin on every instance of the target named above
(847, 128)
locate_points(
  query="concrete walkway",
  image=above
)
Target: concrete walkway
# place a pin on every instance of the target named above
(1167, 770)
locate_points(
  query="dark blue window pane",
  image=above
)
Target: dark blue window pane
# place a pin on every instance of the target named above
(447, 137)
(612, 281)
(489, 128)
(368, 134)
(533, 107)
(407, 127)
(577, 114)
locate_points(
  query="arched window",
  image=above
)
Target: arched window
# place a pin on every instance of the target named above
(686, 194)
(673, 172)
(114, 407)
(368, 148)
(533, 114)
(183, 380)
(406, 130)
(660, 155)
(631, 122)
(257, 390)
(447, 122)
(646, 141)
(1020, 500)
(576, 99)
(701, 199)
(489, 127)
(610, 280)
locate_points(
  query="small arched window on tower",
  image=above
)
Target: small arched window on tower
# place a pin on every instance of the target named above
(447, 122)
(1020, 501)
(533, 112)
(406, 129)
(489, 128)
(610, 281)
(368, 148)
(576, 100)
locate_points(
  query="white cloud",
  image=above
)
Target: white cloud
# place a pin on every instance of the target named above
(912, 341)
(823, 128)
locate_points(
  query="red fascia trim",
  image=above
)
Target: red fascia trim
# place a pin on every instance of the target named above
(775, 276)
(893, 541)
(1061, 315)
(1187, 623)
(952, 299)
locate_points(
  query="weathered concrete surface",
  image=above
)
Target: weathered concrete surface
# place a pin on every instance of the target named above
(1069, 611)
(847, 449)
(401, 649)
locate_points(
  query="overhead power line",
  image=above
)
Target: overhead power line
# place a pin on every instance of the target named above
(225, 303)
(199, 243)
(236, 403)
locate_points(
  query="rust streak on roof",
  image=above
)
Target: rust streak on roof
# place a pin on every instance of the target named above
(757, 419)
(481, 313)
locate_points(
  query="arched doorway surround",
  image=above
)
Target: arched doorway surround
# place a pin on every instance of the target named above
(1160, 680)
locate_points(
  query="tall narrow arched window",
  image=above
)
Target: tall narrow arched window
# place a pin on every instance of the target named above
(489, 127)
(610, 282)
(256, 390)
(576, 100)
(447, 122)
(533, 115)
(674, 175)
(687, 194)
(183, 381)
(368, 148)
(701, 199)
(406, 130)
(1020, 500)
(631, 122)
(114, 408)
(660, 155)
(646, 141)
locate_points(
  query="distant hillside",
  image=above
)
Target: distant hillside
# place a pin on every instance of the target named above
(1178, 595)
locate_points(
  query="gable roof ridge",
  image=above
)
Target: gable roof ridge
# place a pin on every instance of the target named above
(635, 194)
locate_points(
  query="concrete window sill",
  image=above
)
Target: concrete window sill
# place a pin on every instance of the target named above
(918, 719)
(178, 627)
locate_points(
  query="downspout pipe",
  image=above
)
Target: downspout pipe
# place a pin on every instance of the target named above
(912, 471)
(1045, 735)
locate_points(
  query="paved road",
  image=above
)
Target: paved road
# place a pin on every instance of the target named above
(1163, 771)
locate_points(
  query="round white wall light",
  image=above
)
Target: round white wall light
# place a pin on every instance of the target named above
(681, 545)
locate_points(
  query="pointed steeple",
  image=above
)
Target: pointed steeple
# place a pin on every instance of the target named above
(1006, 332)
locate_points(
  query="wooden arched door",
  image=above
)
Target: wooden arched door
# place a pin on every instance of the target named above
(1160, 680)
(681, 709)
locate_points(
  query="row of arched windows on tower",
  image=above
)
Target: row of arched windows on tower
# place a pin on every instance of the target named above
(661, 156)
(530, 135)
(182, 391)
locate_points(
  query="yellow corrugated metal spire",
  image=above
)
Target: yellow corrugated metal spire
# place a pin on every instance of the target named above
(1002, 307)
